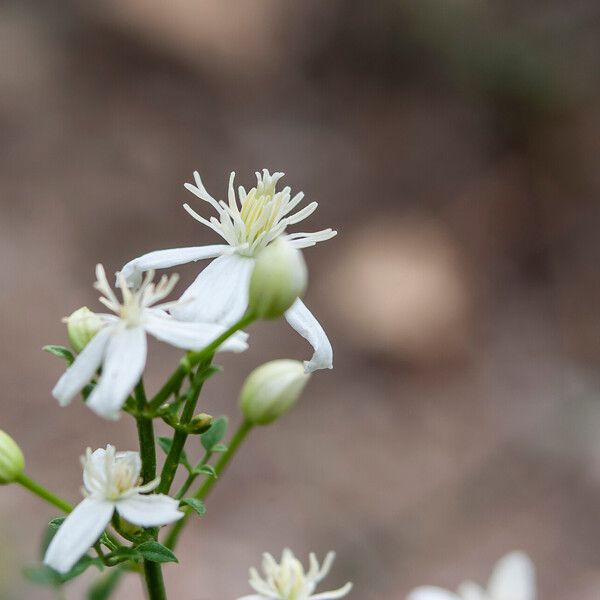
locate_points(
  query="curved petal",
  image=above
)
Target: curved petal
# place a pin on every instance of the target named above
(513, 578)
(429, 592)
(219, 294)
(334, 594)
(162, 259)
(189, 335)
(149, 511)
(83, 369)
(123, 366)
(304, 322)
(78, 533)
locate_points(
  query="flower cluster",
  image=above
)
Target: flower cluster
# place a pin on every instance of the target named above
(257, 273)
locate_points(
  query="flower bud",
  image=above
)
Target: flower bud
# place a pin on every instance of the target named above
(278, 278)
(200, 423)
(12, 461)
(271, 390)
(82, 326)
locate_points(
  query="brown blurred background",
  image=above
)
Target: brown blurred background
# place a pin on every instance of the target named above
(455, 147)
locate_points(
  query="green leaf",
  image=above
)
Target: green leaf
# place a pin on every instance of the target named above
(196, 504)
(219, 448)
(156, 552)
(215, 434)
(43, 575)
(205, 470)
(61, 352)
(56, 523)
(165, 443)
(123, 554)
(104, 586)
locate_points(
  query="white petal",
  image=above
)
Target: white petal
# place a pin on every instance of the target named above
(430, 592)
(219, 294)
(83, 369)
(303, 321)
(79, 531)
(162, 259)
(149, 511)
(123, 366)
(334, 594)
(189, 335)
(513, 578)
(471, 591)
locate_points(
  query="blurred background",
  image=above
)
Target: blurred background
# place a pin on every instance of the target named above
(455, 147)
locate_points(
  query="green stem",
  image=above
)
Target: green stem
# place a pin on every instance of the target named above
(180, 437)
(145, 429)
(103, 587)
(191, 360)
(43, 493)
(154, 581)
(192, 476)
(238, 437)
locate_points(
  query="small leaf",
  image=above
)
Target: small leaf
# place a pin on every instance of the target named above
(42, 575)
(61, 352)
(56, 523)
(219, 448)
(205, 470)
(156, 552)
(196, 504)
(215, 434)
(123, 554)
(165, 443)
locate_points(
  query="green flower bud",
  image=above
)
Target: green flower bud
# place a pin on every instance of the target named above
(200, 423)
(82, 326)
(12, 461)
(278, 278)
(271, 390)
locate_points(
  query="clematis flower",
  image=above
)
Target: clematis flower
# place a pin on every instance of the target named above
(111, 482)
(513, 578)
(220, 292)
(120, 345)
(288, 581)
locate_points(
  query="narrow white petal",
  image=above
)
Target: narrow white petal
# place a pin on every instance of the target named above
(334, 594)
(431, 593)
(149, 511)
(78, 533)
(190, 335)
(123, 366)
(219, 294)
(162, 259)
(304, 322)
(513, 578)
(83, 369)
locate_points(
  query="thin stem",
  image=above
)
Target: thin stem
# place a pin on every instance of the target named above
(191, 360)
(145, 429)
(238, 437)
(154, 581)
(43, 493)
(180, 437)
(192, 476)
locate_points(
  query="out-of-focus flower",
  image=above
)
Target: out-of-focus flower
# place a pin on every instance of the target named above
(278, 279)
(82, 326)
(513, 578)
(271, 390)
(220, 292)
(111, 482)
(12, 461)
(288, 581)
(120, 346)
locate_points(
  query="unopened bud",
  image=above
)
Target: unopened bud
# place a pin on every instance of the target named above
(82, 326)
(271, 390)
(200, 423)
(278, 278)
(12, 461)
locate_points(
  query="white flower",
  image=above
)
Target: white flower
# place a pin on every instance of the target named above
(220, 292)
(513, 578)
(288, 581)
(120, 346)
(111, 482)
